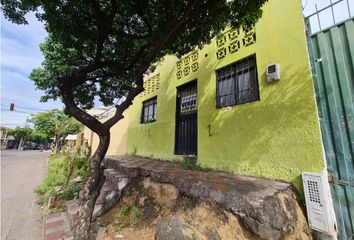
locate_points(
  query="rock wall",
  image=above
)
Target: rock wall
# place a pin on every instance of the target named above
(170, 214)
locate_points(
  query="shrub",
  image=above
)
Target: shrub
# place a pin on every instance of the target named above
(55, 175)
(61, 171)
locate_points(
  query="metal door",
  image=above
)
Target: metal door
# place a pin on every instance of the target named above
(332, 58)
(186, 120)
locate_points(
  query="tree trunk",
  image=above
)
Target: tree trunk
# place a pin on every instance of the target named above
(91, 190)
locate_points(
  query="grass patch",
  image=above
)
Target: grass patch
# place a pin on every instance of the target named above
(62, 169)
(55, 176)
(134, 213)
(127, 216)
(192, 166)
(123, 211)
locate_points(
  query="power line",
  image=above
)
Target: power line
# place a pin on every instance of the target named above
(27, 108)
(34, 109)
(110, 108)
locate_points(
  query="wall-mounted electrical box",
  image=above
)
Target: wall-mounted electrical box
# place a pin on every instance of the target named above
(317, 196)
(273, 72)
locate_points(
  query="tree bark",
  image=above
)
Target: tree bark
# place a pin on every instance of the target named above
(91, 190)
(56, 144)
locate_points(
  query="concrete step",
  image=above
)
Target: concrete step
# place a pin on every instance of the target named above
(116, 178)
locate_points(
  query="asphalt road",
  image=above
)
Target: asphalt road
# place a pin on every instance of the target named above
(21, 172)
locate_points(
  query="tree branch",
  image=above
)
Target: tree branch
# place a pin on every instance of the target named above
(93, 123)
(139, 80)
(141, 15)
(103, 25)
(195, 9)
(73, 110)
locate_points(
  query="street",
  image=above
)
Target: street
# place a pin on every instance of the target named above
(21, 172)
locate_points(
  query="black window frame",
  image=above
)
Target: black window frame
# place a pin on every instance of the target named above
(231, 73)
(146, 104)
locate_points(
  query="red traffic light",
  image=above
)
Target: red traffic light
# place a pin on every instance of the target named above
(12, 106)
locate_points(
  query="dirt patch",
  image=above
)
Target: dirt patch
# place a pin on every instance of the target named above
(164, 194)
(292, 210)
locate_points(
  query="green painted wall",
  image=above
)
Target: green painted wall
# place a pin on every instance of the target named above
(277, 137)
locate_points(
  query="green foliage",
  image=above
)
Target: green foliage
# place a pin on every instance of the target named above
(134, 213)
(123, 211)
(38, 137)
(28, 134)
(54, 123)
(55, 176)
(70, 191)
(97, 47)
(20, 132)
(61, 171)
(192, 166)
(77, 164)
(128, 215)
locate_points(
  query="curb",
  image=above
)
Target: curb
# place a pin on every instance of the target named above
(56, 227)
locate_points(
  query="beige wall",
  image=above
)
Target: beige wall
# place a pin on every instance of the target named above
(119, 134)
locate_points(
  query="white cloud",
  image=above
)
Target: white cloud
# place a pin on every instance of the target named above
(19, 55)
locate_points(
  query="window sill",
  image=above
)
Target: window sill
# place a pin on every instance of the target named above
(235, 105)
(152, 121)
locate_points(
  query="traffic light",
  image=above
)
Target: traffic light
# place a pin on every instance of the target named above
(12, 106)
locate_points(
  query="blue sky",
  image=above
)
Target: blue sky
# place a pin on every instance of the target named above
(20, 54)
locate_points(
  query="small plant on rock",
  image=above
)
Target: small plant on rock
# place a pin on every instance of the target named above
(128, 215)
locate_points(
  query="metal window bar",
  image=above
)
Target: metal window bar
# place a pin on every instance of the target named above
(242, 76)
(148, 113)
(334, 22)
(188, 101)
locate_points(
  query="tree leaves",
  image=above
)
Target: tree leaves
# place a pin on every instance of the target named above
(97, 46)
(54, 123)
(20, 132)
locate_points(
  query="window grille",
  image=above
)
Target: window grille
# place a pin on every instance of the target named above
(148, 113)
(237, 83)
(188, 101)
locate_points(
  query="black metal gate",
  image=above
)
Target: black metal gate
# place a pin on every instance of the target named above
(186, 120)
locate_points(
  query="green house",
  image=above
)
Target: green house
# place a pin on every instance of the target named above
(245, 103)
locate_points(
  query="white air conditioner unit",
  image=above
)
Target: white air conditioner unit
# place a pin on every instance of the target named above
(318, 203)
(273, 72)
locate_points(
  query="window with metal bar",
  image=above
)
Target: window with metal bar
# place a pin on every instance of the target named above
(148, 113)
(237, 83)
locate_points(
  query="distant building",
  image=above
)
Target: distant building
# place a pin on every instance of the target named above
(7, 141)
(119, 132)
